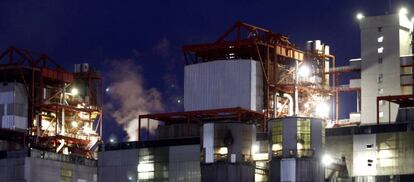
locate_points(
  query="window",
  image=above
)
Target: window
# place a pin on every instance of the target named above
(370, 146)
(379, 60)
(380, 39)
(1, 110)
(379, 29)
(303, 137)
(380, 50)
(380, 78)
(277, 138)
(380, 91)
(381, 114)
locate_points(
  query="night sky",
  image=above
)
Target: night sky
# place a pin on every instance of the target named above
(148, 35)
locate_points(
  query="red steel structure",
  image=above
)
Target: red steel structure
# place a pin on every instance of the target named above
(279, 61)
(199, 117)
(58, 120)
(278, 58)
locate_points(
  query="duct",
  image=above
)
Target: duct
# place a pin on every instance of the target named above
(62, 143)
(290, 98)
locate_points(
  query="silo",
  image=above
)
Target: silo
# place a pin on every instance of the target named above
(296, 145)
(227, 151)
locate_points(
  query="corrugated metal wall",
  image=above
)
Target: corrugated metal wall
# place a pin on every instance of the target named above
(223, 84)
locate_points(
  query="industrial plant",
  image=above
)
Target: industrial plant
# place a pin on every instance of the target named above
(257, 107)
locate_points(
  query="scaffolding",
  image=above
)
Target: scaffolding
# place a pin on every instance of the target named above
(64, 109)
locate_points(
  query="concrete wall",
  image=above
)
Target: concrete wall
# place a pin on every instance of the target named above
(117, 165)
(223, 84)
(391, 153)
(173, 163)
(395, 43)
(29, 169)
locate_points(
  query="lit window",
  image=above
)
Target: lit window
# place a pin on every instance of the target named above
(381, 114)
(381, 50)
(380, 91)
(380, 39)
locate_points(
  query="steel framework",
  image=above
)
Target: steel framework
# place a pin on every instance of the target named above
(279, 60)
(57, 120)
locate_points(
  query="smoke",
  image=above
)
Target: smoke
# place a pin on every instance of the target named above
(128, 96)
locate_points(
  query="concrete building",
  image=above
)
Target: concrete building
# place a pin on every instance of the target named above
(385, 41)
(373, 152)
(158, 160)
(41, 166)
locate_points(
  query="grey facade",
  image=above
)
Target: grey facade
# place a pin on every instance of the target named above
(40, 166)
(384, 39)
(168, 160)
(223, 84)
(374, 152)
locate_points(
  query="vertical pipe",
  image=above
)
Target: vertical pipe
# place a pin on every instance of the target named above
(296, 105)
(148, 129)
(358, 101)
(377, 111)
(139, 128)
(63, 110)
(389, 112)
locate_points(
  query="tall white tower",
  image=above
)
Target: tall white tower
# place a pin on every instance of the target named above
(384, 40)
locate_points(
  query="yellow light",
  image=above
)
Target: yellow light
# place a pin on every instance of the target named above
(74, 124)
(74, 91)
(403, 11)
(276, 147)
(223, 150)
(360, 16)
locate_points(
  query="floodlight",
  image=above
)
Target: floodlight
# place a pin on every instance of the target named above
(223, 150)
(304, 71)
(403, 11)
(327, 160)
(322, 110)
(360, 16)
(74, 91)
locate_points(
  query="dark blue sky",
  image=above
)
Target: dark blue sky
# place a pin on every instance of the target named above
(152, 32)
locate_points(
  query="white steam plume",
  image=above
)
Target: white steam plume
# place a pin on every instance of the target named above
(129, 98)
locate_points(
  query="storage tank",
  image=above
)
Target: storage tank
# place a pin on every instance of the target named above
(296, 146)
(227, 151)
(13, 106)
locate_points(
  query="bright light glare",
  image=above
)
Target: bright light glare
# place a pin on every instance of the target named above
(380, 39)
(299, 146)
(74, 124)
(255, 148)
(360, 16)
(223, 150)
(403, 11)
(145, 167)
(327, 160)
(304, 71)
(322, 110)
(276, 147)
(112, 140)
(74, 91)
